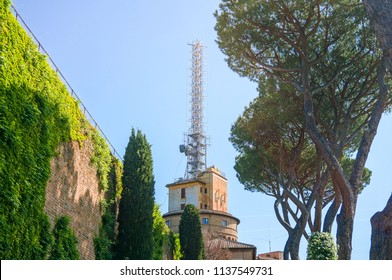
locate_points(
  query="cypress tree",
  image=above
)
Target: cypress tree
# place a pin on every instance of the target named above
(191, 238)
(137, 202)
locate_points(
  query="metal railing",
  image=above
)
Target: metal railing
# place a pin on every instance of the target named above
(64, 80)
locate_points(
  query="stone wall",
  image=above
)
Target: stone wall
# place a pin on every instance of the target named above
(214, 226)
(73, 190)
(241, 254)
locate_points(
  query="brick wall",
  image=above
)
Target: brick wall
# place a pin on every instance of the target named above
(73, 191)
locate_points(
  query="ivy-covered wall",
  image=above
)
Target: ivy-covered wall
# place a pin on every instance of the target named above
(73, 191)
(37, 114)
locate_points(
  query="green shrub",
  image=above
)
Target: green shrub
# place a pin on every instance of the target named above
(65, 245)
(103, 243)
(175, 246)
(321, 246)
(160, 234)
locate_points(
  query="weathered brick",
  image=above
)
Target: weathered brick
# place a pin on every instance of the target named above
(73, 190)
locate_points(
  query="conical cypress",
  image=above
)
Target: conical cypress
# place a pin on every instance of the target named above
(137, 201)
(191, 238)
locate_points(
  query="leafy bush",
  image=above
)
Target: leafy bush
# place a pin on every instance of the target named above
(160, 234)
(65, 245)
(103, 243)
(175, 246)
(321, 246)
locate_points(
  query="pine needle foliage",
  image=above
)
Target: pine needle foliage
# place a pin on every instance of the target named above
(135, 217)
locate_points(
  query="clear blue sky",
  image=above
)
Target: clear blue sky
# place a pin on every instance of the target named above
(129, 62)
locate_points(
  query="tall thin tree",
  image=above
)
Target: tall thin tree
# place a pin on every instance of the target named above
(137, 203)
(191, 238)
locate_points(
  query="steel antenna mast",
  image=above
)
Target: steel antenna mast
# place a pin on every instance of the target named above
(195, 147)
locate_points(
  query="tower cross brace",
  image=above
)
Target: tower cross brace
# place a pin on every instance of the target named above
(195, 147)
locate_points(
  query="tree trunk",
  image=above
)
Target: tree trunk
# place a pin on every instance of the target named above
(380, 14)
(318, 213)
(296, 237)
(291, 248)
(331, 214)
(344, 235)
(346, 221)
(286, 251)
(381, 246)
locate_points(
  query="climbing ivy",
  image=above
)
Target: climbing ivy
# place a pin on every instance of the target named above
(101, 159)
(37, 113)
(105, 241)
(65, 245)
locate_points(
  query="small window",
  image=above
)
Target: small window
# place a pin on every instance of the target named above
(183, 193)
(205, 221)
(182, 206)
(201, 189)
(201, 205)
(224, 223)
(205, 206)
(168, 223)
(205, 190)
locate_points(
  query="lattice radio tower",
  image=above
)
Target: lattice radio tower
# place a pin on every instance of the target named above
(195, 147)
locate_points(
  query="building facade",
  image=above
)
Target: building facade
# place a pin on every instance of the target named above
(208, 192)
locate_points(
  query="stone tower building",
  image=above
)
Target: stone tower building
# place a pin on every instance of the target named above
(208, 192)
(205, 188)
